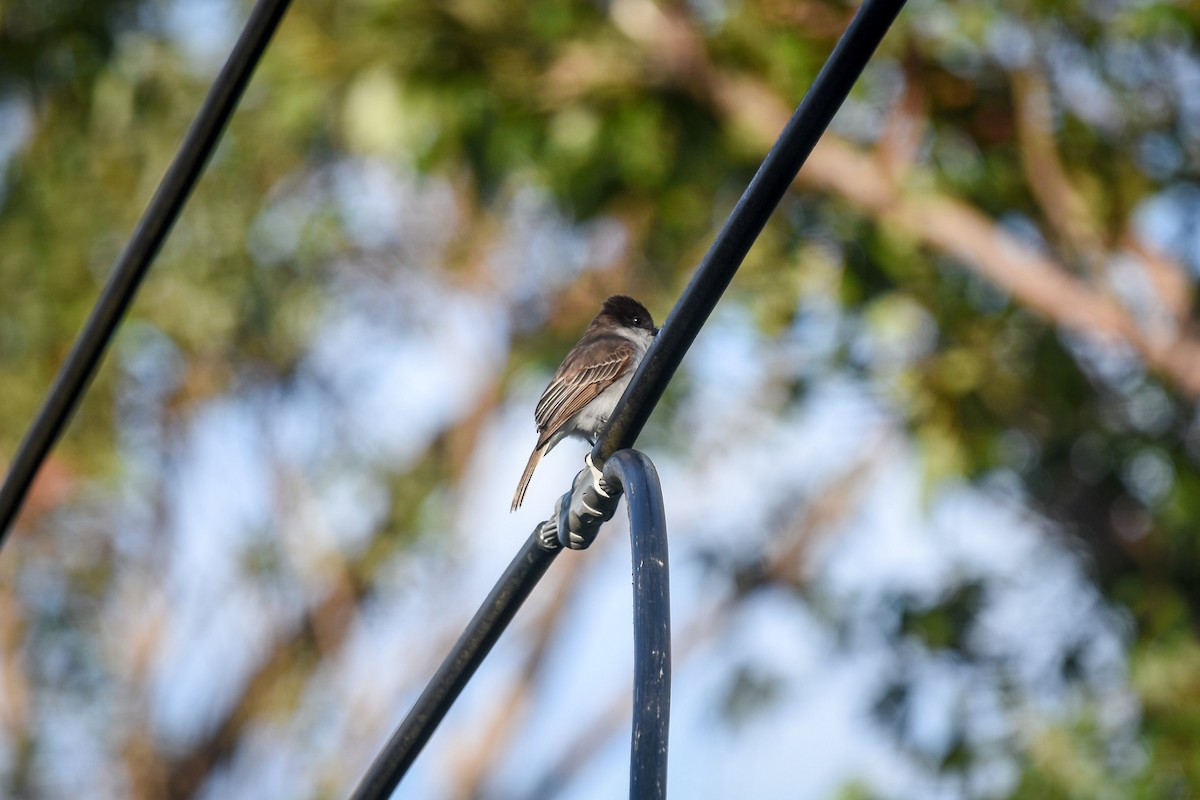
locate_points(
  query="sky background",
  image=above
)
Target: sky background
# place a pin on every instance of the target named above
(926, 627)
(288, 471)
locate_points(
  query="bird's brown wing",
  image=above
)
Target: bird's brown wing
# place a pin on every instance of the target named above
(575, 385)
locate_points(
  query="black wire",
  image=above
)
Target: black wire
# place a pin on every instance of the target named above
(778, 171)
(131, 266)
(465, 657)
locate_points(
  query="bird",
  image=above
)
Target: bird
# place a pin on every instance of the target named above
(591, 379)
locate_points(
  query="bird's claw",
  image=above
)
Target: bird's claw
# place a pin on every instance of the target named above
(581, 511)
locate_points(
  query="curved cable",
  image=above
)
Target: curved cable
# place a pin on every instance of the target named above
(635, 474)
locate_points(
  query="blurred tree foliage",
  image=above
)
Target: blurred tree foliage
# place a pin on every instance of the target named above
(1049, 126)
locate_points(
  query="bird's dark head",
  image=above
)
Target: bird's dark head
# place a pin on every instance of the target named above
(628, 312)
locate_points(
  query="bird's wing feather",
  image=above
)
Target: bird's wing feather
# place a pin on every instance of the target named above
(575, 385)
(526, 477)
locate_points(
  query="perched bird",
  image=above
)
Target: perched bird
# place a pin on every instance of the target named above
(591, 379)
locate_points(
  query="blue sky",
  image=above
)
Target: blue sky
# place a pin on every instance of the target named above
(300, 473)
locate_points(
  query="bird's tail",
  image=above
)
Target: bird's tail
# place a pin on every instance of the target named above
(527, 476)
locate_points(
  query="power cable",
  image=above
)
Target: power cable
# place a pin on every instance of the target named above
(131, 266)
(745, 223)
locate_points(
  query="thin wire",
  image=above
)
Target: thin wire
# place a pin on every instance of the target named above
(778, 171)
(130, 268)
(468, 653)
